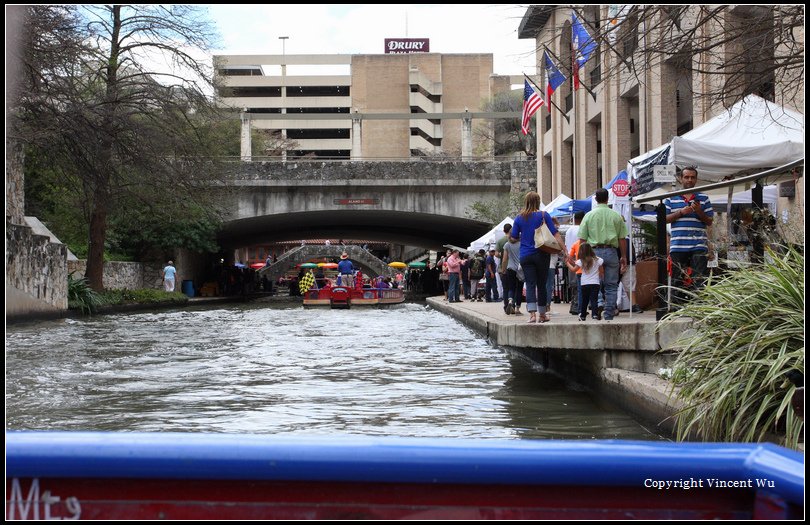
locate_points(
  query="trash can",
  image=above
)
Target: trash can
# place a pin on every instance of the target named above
(188, 287)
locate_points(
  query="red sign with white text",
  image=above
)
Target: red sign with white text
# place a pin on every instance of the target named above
(407, 45)
(621, 188)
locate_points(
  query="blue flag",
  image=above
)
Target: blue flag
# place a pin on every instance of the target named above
(582, 46)
(555, 78)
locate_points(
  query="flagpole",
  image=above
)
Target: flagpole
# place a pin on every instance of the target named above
(540, 90)
(571, 73)
(575, 142)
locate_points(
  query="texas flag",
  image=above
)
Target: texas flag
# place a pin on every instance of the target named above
(554, 78)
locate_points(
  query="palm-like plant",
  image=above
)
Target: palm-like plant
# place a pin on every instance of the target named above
(82, 296)
(733, 368)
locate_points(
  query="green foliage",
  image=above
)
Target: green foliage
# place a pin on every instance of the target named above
(51, 197)
(142, 296)
(732, 368)
(81, 296)
(494, 211)
(137, 230)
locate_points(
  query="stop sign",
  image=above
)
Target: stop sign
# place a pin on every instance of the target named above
(621, 188)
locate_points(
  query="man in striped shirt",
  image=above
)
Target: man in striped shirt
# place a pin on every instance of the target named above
(689, 214)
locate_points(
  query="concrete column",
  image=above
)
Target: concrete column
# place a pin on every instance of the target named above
(466, 137)
(587, 181)
(357, 137)
(662, 118)
(246, 146)
(545, 179)
(566, 170)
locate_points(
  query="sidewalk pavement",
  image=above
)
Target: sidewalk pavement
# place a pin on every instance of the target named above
(558, 314)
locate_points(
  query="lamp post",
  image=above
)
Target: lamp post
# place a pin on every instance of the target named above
(283, 96)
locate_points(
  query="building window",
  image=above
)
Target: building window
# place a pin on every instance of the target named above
(433, 141)
(303, 134)
(596, 75)
(326, 153)
(240, 72)
(318, 110)
(318, 91)
(265, 91)
(685, 127)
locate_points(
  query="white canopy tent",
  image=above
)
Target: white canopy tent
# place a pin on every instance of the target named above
(558, 201)
(491, 237)
(769, 195)
(753, 133)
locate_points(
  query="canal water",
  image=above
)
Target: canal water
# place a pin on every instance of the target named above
(406, 370)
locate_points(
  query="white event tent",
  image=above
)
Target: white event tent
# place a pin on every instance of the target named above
(559, 200)
(490, 238)
(753, 133)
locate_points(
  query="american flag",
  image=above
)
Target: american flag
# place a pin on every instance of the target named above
(531, 103)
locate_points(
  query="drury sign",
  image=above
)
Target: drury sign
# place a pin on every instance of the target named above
(407, 45)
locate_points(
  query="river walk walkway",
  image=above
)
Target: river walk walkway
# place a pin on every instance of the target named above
(619, 359)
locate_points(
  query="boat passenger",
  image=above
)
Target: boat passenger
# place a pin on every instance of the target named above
(346, 270)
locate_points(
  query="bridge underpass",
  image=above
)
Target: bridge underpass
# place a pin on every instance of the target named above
(428, 231)
(414, 203)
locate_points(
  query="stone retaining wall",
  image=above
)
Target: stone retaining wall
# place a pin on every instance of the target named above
(36, 273)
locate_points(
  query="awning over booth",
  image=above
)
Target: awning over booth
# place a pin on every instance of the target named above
(491, 237)
(753, 133)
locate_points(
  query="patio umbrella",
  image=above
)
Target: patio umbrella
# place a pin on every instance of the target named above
(397, 264)
(257, 266)
(329, 265)
(417, 264)
(309, 265)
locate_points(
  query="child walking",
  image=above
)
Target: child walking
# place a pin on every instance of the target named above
(592, 272)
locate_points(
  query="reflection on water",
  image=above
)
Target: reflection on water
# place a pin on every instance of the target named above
(400, 371)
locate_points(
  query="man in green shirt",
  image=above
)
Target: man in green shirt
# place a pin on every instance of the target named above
(606, 232)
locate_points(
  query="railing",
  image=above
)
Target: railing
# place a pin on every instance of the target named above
(781, 172)
(427, 158)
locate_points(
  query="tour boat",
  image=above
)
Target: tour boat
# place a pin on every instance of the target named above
(193, 476)
(345, 297)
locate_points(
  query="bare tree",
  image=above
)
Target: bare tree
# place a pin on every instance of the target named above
(122, 105)
(506, 135)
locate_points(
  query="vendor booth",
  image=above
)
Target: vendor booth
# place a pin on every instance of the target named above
(752, 134)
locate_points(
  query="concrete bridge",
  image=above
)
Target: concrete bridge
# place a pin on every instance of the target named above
(422, 203)
(367, 262)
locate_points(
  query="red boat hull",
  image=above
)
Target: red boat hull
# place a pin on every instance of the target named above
(132, 475)
(113, 499)
(342, 297)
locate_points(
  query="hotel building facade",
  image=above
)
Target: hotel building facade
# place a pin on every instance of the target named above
(637, 110)
(370, 109)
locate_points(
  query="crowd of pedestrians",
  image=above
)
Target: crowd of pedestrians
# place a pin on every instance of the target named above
(595, 258)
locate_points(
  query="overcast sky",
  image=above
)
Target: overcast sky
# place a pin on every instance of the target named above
(362, 28)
